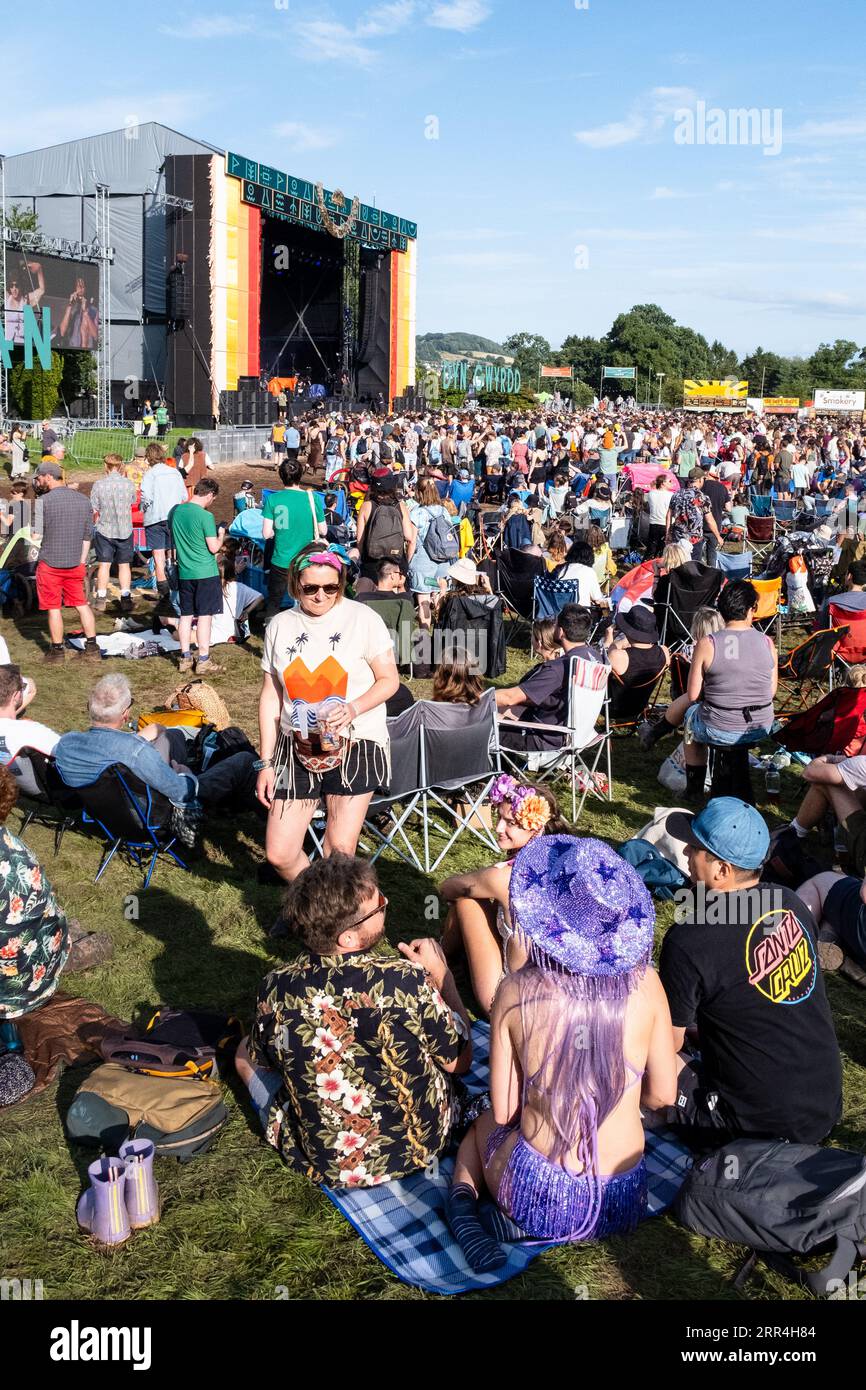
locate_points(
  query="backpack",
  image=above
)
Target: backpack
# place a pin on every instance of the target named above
(383, 538)
(781, 1200)
(182, 1117)
(440, 540)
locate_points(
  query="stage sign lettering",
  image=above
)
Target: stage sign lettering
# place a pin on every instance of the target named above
(483, 376)
(295, 201)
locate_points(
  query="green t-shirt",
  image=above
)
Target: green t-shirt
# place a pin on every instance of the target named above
(190, 525)
(292, 515)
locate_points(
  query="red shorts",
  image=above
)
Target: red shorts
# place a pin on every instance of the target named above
(60, 588)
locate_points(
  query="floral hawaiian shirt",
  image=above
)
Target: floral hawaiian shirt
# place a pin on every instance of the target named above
(687, 511)
(360, 1041)
(34, 936)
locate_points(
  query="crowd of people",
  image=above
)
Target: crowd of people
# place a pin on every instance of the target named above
(356, 1052)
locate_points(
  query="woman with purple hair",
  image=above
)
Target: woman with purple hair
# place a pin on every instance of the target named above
(580, 1039)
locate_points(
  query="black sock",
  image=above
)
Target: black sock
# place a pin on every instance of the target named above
(695, 778)
(483, 1255)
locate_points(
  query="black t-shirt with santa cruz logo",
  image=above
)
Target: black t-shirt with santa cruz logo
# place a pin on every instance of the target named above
(746, 973)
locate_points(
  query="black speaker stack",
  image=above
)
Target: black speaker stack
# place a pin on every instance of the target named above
(251, 404)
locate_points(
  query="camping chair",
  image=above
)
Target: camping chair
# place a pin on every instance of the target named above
(52, 802)
(784, 511)
(678, 597)
(831, 726)
(734, 567)
(807, 668)
(517, 575)
(396, 804)
(760, 533)
(587, 701)
(459, 754)
(550, 596)
(471, 626)
(628, 705)
(761, 504)
(851, 650)
(767, 616)
(398, 614)
(132, 817)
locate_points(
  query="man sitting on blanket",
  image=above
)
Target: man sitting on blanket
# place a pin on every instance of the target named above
(351, 1052)
(741, 971)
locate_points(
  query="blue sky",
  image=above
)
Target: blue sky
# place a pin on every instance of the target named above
(556, 194)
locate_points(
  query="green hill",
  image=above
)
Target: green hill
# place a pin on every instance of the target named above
(429, 346)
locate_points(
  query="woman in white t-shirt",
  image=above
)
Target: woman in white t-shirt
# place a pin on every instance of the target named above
(579, 565)
(658, 501)
(328, 668)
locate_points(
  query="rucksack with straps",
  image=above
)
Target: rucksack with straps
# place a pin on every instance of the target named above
(782, 1200)
(383, 538)
(440, 540)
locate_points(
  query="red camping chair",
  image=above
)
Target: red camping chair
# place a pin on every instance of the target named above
(836, 724)
(851, 651)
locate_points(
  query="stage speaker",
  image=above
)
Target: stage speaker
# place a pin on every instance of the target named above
(178, 296)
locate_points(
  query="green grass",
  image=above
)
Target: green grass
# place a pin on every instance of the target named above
(236, 1223)
(87, 448)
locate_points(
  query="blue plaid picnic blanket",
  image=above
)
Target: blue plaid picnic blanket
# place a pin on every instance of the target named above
(404, 1222)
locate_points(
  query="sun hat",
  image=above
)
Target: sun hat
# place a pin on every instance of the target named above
(637, 623)
(580, 907)
(463, 571)
(463, 473)
(730, 829)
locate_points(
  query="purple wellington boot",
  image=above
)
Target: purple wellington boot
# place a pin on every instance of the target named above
(142, 1193)
(102, 1209)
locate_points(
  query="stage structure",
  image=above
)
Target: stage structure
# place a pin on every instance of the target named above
(226, 272)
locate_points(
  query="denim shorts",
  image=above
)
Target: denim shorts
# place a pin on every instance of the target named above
(263, 1085)
(696, 731)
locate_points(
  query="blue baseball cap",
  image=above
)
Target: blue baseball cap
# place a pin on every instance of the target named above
(730, 829)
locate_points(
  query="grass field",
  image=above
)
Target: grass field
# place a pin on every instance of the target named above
(236, 1223)
(86, 449)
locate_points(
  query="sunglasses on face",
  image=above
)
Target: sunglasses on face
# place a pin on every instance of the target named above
(380, 907)
(329, 589)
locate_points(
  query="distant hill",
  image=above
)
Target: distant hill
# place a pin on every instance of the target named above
(429, 347)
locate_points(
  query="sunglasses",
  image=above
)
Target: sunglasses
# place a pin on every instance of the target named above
(329, 589)
(380, 907)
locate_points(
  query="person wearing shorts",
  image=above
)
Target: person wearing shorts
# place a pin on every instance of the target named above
(329, 669)
(196, 541)
(67, 528)
(162, 488)
(112, 499)
(838, 904)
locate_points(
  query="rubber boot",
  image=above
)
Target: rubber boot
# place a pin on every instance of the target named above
(102, 1209)
(142, 1193)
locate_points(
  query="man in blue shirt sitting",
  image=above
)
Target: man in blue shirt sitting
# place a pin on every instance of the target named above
(156, 756)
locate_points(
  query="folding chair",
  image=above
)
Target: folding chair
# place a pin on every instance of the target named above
(51, 800)
(767, 615)
(550, 596)
(760, 533)
(398, 614)
(587, 701)
(517, 575)
(734, 567)
(680, 594)
(132, 817)
(761, 504)
(627, 705)
(459, 753)
(807, 668)
(851, 650)
(400, 801)
(784, 512)
(472, 626)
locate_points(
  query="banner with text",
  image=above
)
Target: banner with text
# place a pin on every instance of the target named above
(840, 400)
(709, 393)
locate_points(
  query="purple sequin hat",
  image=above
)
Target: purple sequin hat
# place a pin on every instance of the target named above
(581, 907)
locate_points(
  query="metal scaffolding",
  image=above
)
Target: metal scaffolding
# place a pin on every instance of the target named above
(4, 384)
(103, 348)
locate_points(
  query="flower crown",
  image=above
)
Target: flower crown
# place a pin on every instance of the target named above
(530, 810)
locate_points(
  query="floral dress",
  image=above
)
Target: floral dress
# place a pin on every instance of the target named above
(34, 935)
(360, 1041)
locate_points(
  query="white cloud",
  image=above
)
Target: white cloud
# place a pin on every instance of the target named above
(304, 137)
(602, 234)
(325, 41)
(216, 27)
(648, 115)
(662, 192)
(462, 15)
(816, 132)
(32, 127)
(385, 19)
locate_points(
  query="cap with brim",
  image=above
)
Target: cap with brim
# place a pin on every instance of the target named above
(463, 473)
(580, 907)
(140, 452)
(48, 470)
(730, 829)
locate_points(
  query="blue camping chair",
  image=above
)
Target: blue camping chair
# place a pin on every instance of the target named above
(132, 817)
(247, 526)
(785, 511)
(734, 566)
(761, 504)
(549, 596)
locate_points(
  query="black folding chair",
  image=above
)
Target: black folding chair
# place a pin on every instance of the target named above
(51, 802)
(518, 572)
(678, 596)
(809, 668)
(132, 817)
